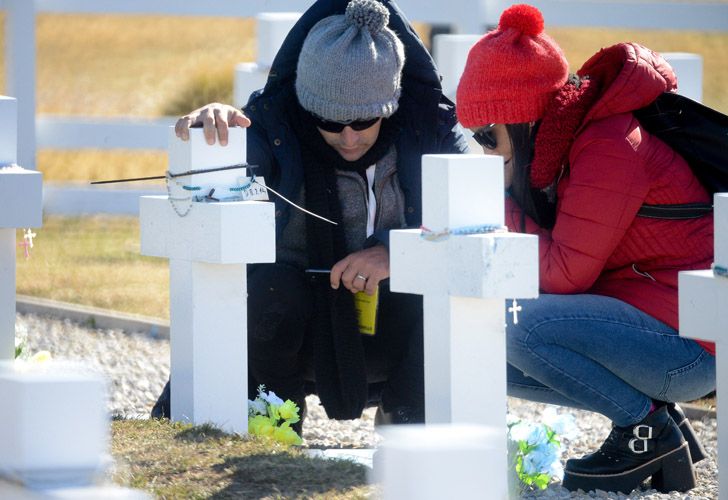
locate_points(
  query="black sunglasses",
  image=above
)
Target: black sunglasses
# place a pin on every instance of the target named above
(336, 127)
(486, 137)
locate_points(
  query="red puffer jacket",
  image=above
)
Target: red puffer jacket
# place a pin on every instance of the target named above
(598, 244)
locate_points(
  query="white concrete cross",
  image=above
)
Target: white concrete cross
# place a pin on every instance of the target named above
(439, 461)
(450, 53)
(54, 431)
(21, 199)
(464, 280)
(208, 251)
(703, 305)
(272, 27)
(689, 70)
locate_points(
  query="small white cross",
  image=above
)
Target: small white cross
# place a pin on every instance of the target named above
(514, 309)
(28, 236)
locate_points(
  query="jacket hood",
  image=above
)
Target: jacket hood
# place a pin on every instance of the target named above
(629, 77)
(619, 79)
(419, 67)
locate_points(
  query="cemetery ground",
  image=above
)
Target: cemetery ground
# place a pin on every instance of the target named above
(96, 261)
(141, 66)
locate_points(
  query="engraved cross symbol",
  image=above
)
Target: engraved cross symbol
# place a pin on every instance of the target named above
(514, 309)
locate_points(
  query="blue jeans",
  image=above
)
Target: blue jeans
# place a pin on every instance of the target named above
(601, 354)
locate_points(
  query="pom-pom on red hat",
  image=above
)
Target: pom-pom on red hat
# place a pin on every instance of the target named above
(512, 72)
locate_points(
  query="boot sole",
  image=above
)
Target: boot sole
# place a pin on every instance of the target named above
(672, 471)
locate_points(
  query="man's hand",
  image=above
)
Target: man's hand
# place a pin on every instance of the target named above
(362, 270)
(215, 119)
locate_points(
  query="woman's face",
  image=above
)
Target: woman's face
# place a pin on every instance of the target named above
(495, 141)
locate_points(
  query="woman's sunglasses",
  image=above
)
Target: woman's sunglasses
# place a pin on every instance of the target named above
(336, 127)
(486, 137)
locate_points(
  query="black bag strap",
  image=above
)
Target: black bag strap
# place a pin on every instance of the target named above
(679, 211)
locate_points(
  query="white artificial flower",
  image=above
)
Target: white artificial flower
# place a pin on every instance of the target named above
(271, 398)
(564, 425)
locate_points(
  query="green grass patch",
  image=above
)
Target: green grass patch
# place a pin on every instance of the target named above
(174, 460)
(94, 261)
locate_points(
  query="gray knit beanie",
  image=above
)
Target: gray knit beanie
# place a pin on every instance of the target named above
(350, 66)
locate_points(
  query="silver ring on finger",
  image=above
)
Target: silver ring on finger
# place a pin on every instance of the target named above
(361, 277)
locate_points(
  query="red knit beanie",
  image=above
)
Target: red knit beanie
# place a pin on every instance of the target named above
(512, 72)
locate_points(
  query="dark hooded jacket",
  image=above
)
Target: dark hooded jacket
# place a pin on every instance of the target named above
(428, 125)
(428, 118)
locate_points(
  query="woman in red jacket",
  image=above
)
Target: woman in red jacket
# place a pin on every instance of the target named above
(603, 334)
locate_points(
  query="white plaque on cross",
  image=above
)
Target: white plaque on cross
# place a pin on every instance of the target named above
(464, 280)
(703, 302)
(208, 250)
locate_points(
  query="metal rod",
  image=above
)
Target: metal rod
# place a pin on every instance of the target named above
(181, 174)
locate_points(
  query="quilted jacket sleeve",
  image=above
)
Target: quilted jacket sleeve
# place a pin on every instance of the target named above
(598, 201)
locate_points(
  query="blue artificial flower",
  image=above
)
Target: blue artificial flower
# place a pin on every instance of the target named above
(257, 407)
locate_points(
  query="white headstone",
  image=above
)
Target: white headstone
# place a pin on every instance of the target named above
(703, 301)
(464, 280)
(450, 53)
(434, 462)
(273, 28)
(720, 202)
(689, 70)
(208, 251)
(249, 77)
(21, 192)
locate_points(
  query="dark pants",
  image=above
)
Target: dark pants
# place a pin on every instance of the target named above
(280, 339)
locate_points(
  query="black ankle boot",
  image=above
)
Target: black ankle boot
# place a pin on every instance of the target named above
(653, 447)
(161, 407)
(399, 415)
(697, 451)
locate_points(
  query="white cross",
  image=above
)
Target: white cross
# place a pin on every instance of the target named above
(515, 308)
(703, 302)
(28, 236)
(208, 251)
(21, 192)
(464, 280)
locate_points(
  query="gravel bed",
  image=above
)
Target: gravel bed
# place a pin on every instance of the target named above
(138, 366)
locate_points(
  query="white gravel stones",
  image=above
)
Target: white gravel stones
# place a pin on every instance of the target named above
(138, 367)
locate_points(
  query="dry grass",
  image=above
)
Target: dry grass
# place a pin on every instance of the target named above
(94, 261)
(179, 461)
(92, 165)
(581, 43)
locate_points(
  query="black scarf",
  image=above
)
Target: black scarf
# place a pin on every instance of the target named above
(339, 363)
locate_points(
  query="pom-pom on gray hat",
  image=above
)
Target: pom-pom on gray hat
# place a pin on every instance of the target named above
(350, 66)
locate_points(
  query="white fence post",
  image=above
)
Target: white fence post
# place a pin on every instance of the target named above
(20, 72)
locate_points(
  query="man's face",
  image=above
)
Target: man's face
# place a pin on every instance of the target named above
(352, 144)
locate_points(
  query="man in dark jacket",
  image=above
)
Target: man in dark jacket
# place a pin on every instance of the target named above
(352, 102)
